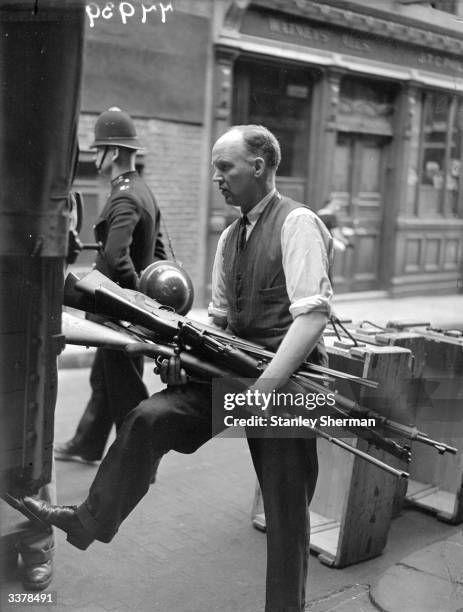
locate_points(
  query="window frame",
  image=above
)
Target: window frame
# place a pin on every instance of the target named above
(455, 105)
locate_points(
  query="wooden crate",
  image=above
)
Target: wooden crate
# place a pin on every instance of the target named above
(352, 506)
(415, 342)
(436, 481)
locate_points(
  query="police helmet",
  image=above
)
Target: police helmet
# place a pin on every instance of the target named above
(115, 128)
(169, 284)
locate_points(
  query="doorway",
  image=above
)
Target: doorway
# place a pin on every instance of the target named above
(358, 186)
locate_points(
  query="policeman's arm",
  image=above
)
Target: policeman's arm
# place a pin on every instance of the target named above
(122, 220)
(159, 248)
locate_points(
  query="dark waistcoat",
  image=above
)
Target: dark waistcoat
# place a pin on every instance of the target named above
(255, 282)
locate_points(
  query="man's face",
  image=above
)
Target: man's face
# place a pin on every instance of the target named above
(235, 171)
(103, 160)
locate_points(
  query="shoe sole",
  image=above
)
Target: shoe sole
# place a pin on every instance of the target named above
(36, 586)
(76, 458)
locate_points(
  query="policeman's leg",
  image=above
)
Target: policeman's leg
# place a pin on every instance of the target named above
(177, 418)
(287, 470)
(89, 440)
(125, 388)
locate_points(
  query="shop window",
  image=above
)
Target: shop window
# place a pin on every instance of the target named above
(277, 97)
(408, 206)
(440, 154)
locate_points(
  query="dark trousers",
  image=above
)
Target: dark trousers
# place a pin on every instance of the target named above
(117, 386)
(179, 418)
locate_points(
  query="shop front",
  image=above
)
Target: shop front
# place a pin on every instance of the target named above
(368, 114)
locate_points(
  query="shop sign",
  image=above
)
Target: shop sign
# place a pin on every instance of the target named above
(340, 40)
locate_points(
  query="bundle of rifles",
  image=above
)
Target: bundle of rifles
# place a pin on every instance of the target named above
(131, 321)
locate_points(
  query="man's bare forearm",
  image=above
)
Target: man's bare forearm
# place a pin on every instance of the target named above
(301, 338)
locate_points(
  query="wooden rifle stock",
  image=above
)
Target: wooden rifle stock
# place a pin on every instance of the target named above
(87, 333)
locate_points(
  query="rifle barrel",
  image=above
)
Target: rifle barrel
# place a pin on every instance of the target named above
(355, 451)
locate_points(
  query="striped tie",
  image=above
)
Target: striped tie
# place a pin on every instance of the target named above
(242, 232)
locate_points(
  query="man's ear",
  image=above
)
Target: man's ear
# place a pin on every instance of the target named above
(115, 154)
(259, 166)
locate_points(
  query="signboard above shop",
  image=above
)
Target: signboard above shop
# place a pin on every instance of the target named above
(334, 39)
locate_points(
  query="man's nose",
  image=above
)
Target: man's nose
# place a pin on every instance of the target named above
(217, 178)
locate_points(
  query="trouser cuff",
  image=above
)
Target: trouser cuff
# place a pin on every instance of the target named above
(91, 525)
(36, 548)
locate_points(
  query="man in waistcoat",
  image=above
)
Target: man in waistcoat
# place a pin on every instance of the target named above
(270, 285)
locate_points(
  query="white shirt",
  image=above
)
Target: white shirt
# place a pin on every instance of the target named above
(307, 253)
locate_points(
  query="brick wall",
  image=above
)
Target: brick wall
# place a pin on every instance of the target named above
(173, 171)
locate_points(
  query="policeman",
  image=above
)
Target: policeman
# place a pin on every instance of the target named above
(129, 231)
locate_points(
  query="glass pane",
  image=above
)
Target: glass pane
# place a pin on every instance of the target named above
(408, 207)
(453, 171)
(279, 98)
(435, 127)
(370, 168)
(341, 165)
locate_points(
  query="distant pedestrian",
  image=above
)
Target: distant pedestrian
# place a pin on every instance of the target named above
(329, 215)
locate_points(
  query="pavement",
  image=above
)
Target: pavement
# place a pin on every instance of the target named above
(190, 546)
(430, 579)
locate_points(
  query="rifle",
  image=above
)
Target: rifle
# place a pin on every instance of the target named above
(97, 294)
(163, 333)
(80, 331)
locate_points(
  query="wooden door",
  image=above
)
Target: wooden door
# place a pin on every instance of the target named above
(358, 185)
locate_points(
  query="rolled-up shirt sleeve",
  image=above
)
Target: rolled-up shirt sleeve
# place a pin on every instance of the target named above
(218, 307)
(307, 252)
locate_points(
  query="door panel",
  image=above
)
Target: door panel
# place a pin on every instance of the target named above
(358, 187)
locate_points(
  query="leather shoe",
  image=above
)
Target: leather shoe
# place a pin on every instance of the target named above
(63, 517)
(69, 451)
(38, 576)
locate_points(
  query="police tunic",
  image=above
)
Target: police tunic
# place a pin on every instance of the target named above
(129, 230)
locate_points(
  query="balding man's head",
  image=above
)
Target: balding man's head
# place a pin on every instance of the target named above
(260, 142)
(245, 159)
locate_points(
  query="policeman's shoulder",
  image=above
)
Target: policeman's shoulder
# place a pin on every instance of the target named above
(123, 184)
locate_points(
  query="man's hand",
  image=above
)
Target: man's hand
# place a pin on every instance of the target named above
(171, 372)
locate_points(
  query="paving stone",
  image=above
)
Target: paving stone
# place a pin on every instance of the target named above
(353, 598)
(405, 589)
